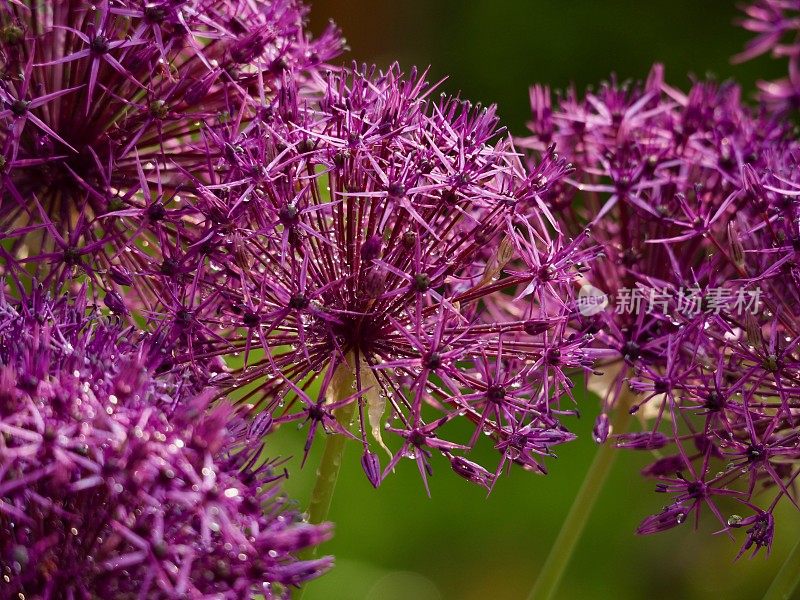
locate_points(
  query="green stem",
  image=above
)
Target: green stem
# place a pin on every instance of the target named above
(561, 552)
(341, 386)
(328, 471)
(788, 577)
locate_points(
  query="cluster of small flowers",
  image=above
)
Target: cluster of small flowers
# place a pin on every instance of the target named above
(351, 243)
(776, 24)
(377, 259)
(690, 191)
(340, 231)
(119, 482)
(194, 167)
(98, 104)
(120, 475)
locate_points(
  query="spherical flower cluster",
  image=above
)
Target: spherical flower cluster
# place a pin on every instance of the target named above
(346, 246)
(693, 199)
(776, 24)
(117, 482)
(100, 98)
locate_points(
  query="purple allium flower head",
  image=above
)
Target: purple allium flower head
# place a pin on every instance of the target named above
(99, 102)
(693, 198)
(656, 171)
(352, 241)
(776, 24)
(117, 482)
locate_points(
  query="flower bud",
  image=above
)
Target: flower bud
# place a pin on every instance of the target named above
(249, 46)
(243, 259)
(198, 90)
(643, 440)
(672, 516)
(753, 330)
(372, 467)
(115, 303)
(471, 471)
(536, 326)
(601, 428)
(120, 275)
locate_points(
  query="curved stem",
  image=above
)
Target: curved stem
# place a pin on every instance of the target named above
(561, 552)
(328, 471)
(788, 577)
(340, 387)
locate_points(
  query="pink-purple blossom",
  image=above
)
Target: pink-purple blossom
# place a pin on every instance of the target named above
(117, 481)
(348, 243)
(693, 199)
(99, 104)
(776, 26)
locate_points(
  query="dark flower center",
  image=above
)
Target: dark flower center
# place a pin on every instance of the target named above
(71, 256)
(100, 45)
(315, 412)
(696, 489)
(250, 319)
(19, 107)
(771, 364)
(169, 267)
(11, 35)
(755, 452)
(154, 14)
(416, 438)
(158, 109)
(631, 351)
(714, 401)
(409, 238)
(449, 196)
(160, 550)
(432, 361)
(156, 212)
(554, 356)
(396, 190)
(546, 272)
(279, 65)
(288, 214)
(298, 301)
(496, 393)
(305, 146)
(629, 257)
(422, 282)
(183, 317)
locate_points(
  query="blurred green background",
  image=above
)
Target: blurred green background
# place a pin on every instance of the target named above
(395, 543)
